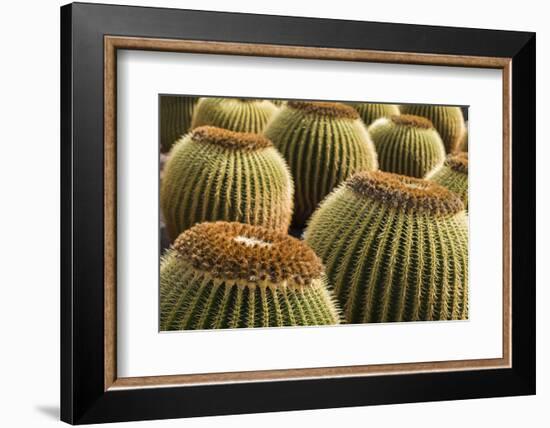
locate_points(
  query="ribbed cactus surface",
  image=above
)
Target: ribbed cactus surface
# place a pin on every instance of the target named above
(453, 175)
(216, 174)
(232, 275)
(407, 145)
(323, 144)
(175, 118)
(235, 114)
(369, 112)
(448, 121)
(395, 248)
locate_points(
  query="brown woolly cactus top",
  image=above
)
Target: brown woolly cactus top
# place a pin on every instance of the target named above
(408, 193)
(335, 110)
(412, 120)
(253, 254)
(230, 139)
(458, 162)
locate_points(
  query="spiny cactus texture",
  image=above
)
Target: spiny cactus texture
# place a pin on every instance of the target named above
(407, 145)
(175, 118)
(235, 114)
(448, 121)
(395, 248)
(216, 174)
(453, 175)
(323, 143)
(233, 275)
(369, 112)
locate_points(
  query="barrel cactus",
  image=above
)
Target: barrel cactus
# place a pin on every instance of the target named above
(233, 275)
(395, 248)
(175, 118)
(216, 174)
(235, 114)
(453, 175)
(448, 121)
(407, 145)
(324, 143)
(369, 112)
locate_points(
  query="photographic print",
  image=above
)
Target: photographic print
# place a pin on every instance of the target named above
(288, 213)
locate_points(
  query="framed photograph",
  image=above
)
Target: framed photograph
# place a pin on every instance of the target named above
(266, 213)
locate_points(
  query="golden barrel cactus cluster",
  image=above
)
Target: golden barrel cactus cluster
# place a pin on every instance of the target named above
(377, 209)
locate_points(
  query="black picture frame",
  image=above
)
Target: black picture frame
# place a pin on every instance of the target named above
(83, 396)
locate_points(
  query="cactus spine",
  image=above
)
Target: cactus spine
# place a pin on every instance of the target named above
(175, 118)
(453, 175)
(407, 145)
(216, 174)
(395, 248)
(323, 143)
(233, 275)
(448, 121)
(235, 114)
(369, 112)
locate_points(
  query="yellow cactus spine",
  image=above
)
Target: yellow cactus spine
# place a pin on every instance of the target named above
(448, 121)
(369, 112)
(175, 119)
(453, 175)
(323, 143)
(232, 275)
(235, 114)
(395, 248)
(407, 145)
(216, 174)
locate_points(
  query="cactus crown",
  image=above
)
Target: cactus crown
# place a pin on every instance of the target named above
(246, 141)
(458, 162)
(334, 110)
(407, 193)
(237, 251)
(412, 120)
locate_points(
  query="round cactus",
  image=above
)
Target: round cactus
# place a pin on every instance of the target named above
(235, 114)
(216, 174)
(369, 112)
(175, 119)
(395, 248)
(448, 121)
(323, 143)
(453, 175)
(233, 275)
(407, 145)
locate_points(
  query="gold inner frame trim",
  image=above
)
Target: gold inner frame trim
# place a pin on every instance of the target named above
(113, 43)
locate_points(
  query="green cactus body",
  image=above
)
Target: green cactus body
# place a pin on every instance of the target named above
(453, 175)
(448, 121)
(216, 174)
(235, 114)
(407, 145)
(175, 119)
(233, 275)
(369, 112)
(323, 143)
(395, 248)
